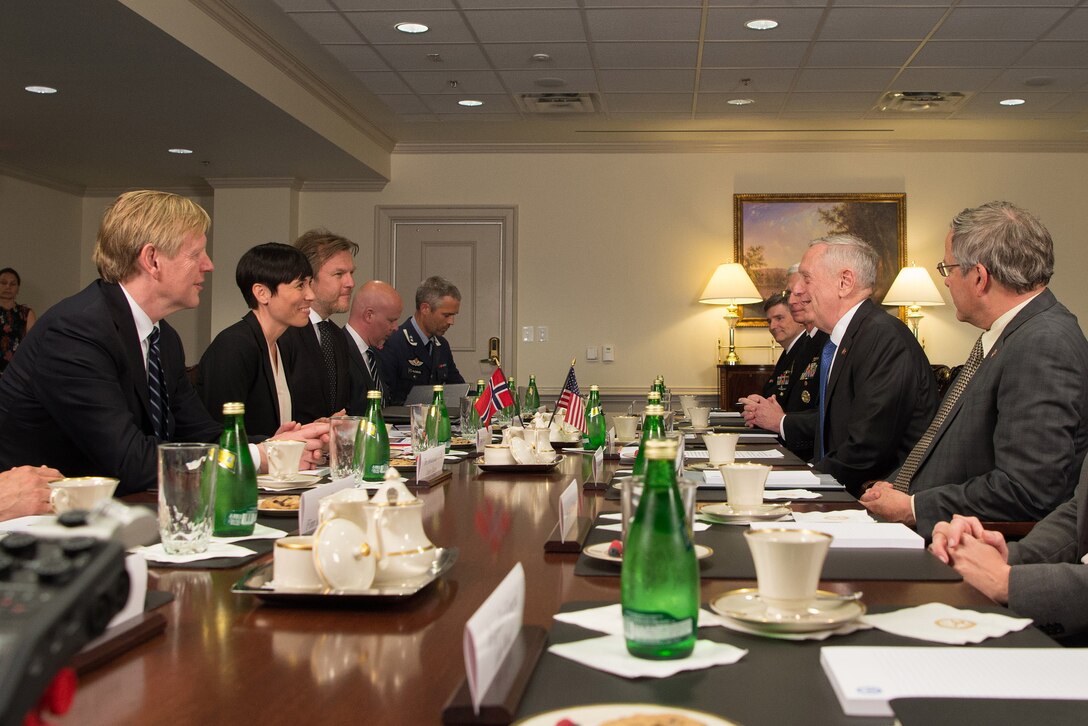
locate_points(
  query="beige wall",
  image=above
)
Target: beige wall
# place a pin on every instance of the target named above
(613, 248)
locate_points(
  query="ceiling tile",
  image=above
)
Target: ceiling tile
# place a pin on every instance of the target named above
(718, 103)
(1054, 3)
(830, 104)
(851, 54)
(643, 3)
(455, 56)
(468, 82)
(647, 81)
(491, 4)
(654, 102)
(516, 56)
(998, 23)
(1068, 54)
(648, 24)
(394, 5)
(753, 54)
(289, 5)
(844, 79)
(880, 23)
(493, 103)
(1072, 103)
(384, 83)
(987, 104)
(761, 81)
(467, 118)
(970, 53)
(357, 57)
(646, 55)
(1074, 27)
(404, 103)
(793, 23)
(503, 26)
(445, 27)
(946, 79)
(326, 27)
(525, 81)
(1060, 79)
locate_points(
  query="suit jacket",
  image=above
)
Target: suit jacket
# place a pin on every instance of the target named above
(305, 368)
(803, 402)
(785, 374)
(405, 363)
(881, 395)
(361, 380)
(1048, 581)
(1011, 446)
(75, 397)
(236, 367)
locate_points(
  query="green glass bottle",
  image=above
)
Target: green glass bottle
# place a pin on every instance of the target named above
(236, 483)
(532, 396)
(371, 442)
(659, 582)
(653, 398)
(595, 424)
(513, 411)
(653, 427)
(438, 419)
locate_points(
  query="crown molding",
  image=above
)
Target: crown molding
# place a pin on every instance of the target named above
(345, 185)
(256, 182)
(41, 180)
(195, 190)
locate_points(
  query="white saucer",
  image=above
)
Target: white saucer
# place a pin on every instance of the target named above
(268, 483)
(605, 712)
(726, 514)
(600, 552)
(745, 606)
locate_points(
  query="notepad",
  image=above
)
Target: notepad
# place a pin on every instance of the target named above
(858, 535)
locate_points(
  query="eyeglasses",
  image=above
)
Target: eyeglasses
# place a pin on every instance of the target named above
(944, 267)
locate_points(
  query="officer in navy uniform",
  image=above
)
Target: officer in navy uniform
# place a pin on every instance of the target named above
(787, 333)
(418, 354)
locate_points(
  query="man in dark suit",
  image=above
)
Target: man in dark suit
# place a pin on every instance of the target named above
(879, 392)
(1043, 576)
(787, 334)
(100, 380)
(1007, 442)
(374, 314)
(316, 355)
(418, 354)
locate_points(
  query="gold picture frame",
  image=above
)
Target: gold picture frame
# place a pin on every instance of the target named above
(772, 232)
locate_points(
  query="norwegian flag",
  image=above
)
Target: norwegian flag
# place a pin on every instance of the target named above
(571, 399)
(496, 397)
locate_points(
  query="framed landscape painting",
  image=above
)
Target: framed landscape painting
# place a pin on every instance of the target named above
(772, 231)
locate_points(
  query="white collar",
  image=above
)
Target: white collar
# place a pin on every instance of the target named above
(359, 342)
(839, 330)
(144, 323)
(991, 336)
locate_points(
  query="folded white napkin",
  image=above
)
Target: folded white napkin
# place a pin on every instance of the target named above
(771, 495)
(155, 553)
(609, 654)
(822, 635)
(942, 623)
(699, 526)
(609, 619)
(839, 515)
(628, 453)
(260, 531)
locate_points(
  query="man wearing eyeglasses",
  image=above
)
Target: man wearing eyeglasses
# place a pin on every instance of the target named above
(1007, 442)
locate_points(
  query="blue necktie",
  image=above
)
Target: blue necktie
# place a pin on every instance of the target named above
(826, 357)
(156, 393)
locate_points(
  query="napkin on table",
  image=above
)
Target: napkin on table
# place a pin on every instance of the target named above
(772, 494)
(156, 553)
(839, 515)
(609, 654)
(609, 619)
(699, 526)
(942, 623)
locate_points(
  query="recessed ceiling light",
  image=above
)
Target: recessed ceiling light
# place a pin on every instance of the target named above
(1012, 102)
(470, 102)
(412, 28)
(761, 24)
(180, 151)
(740, 101)
(41, 89)
(540, 57)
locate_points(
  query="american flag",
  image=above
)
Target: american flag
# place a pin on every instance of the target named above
(497, 396)
(571, 399)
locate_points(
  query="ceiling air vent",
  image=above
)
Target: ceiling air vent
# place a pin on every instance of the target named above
(922, 101)
(554, 104)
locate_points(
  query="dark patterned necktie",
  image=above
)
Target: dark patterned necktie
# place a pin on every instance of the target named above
(328, 355)
(156, 392)
(372, 366)
(826, 356)
(910, 466)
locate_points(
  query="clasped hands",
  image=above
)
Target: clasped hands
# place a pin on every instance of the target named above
(766, 413)
(979, 554)
(316, 437)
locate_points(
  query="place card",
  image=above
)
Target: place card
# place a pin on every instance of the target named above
(680, 456)
(568, 509)
(610, 440)
(597, 466)
(136, 566)
(491, 632)
(309, 504)
(429, 463)
(483, 438)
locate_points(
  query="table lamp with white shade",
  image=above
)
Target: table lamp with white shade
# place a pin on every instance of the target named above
(915, 289)
(730, 286)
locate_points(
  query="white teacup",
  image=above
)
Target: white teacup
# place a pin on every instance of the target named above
(687, 402)
(721, 448)
(80, 492)
(788, 565)
(498, 454)
(744, 484)
(626, 428)
(700, 416)
(347, 504)
(293, 564)
(284, 457)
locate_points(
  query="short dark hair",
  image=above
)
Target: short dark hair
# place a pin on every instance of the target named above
(319, 245)
(271, 265)
(433, 289)
(779, 298)
(18, 280)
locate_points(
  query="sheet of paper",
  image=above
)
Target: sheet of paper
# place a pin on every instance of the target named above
(483, 438)
(865, 679)
(310, 502)
(429, 463)
(598, 465)
(568, 509)
(136, 566)
(858, 535)
(680, 457)
(491, 632)
(760, 454)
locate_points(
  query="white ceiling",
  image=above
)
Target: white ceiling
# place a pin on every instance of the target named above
(659, 71)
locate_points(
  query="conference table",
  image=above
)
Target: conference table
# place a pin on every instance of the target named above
(230, 657)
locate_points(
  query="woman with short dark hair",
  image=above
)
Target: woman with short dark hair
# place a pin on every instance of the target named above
(15, 320)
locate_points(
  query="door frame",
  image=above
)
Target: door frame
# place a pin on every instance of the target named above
(388, 218)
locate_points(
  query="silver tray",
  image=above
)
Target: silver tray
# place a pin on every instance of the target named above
(255, 582)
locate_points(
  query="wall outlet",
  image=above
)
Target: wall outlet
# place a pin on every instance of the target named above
(542, 333)
(526, 333)
(608, 353)
(591, 353)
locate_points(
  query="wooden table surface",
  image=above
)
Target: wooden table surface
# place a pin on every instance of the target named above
(227, 657)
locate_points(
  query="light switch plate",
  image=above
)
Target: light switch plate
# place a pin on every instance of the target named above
(591, 353)
(542, 333)
(608, 353)
(527, 334)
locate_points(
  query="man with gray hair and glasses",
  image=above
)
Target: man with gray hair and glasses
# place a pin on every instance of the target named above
(877, 390)
(1009, 437)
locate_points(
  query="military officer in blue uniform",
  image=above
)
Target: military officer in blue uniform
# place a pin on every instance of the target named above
(787, 333)
(417, 354)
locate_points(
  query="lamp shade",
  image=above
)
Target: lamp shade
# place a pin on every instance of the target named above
(913, 286)
(730, 285)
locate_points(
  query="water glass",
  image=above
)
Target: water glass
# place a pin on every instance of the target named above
(342, 434)
(631, 492)
(186, 496)
(468, 424)
(417, 416)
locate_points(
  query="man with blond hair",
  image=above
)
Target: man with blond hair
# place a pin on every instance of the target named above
(100, 381)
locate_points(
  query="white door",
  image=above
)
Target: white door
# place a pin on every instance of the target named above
(474, 250)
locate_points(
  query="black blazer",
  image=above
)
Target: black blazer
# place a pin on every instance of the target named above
(785, 372)
(236, 367)
(803, 400)
(881, 397)
(75, 395)
(361, 380)
(306, 374)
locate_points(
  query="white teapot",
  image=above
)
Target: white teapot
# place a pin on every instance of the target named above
(396, 532)
(345, 504)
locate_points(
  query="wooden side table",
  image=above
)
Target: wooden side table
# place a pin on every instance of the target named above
(740, 380)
